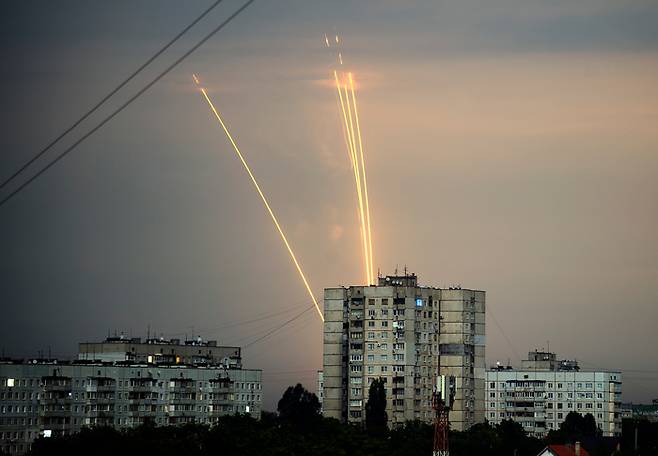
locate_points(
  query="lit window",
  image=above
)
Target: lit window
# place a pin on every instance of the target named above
(10, 382)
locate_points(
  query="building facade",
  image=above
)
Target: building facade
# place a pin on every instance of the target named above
(545, 390)
(49, 397)
(405, 334)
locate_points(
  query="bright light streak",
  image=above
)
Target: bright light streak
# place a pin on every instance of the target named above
(260, 192)
(351, 150)
(359, 186)
(363, 170)
(345, 86)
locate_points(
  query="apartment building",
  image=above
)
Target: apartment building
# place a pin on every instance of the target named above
(406, 334)
(545, 390)
(52, 397)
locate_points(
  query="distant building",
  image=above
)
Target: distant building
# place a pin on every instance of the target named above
(545, 390)
(647, 412)
(160, 351)
(51, 397)
(406, 334)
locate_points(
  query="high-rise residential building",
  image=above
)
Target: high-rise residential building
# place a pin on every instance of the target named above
(405, 334)
(544, 390)
(123, 385)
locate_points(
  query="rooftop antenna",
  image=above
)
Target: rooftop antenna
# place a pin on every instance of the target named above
(148, 332)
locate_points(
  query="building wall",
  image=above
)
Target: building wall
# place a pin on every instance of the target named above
(540, 400)
(403, 334)
(62, 398)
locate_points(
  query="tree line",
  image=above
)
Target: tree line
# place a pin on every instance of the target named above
(298, 428)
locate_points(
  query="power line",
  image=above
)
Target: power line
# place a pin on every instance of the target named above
(127, 103)
(270, 333)
(256, 318)
(502, 332)
(109, 95)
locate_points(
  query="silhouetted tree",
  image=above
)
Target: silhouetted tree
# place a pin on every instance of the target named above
(376, 416)
(298, 406)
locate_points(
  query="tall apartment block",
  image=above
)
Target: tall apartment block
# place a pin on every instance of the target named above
(124, 383)
(544, 390)
(406, 334)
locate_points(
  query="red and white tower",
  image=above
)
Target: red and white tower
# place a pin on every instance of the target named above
(443, 397)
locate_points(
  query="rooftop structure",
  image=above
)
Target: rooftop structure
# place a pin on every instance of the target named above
(160, 351)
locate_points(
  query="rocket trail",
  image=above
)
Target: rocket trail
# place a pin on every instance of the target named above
(351, 150)
(345, 87)
(363, 169)
(359, 187)
(262, 195)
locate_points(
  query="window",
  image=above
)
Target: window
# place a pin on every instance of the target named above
(371, 324)
(371, 357)
(384, 368)
(492, 385)
(384, 324)
(371, 302)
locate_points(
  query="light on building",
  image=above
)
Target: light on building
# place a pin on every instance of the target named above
(47, 433)
(150, 359)
(246, 409)
(10, 382)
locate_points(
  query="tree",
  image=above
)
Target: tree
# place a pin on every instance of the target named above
(298, 406)
(376, 416)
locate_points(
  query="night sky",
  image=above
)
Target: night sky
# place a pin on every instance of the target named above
(511, 146)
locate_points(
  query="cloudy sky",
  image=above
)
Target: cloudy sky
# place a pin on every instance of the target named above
(512, 146)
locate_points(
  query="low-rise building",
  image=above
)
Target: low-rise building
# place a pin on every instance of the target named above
(545, 390)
